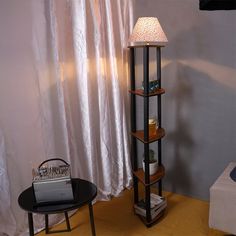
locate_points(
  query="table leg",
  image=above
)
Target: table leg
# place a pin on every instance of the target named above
(91, 219)
(31, 224)
(67, 221)
(46, 224)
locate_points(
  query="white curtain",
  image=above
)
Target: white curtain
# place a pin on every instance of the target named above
(7, 221)
(81, 79)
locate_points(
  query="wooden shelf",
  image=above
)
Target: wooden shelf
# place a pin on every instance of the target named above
(140, 92)
(148, 224)
(140, 135)
(140, 174)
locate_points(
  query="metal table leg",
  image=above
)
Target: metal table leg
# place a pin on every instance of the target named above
(46, 224)
(31, 224)
(48, 231)
(67, 221)
(92, 219)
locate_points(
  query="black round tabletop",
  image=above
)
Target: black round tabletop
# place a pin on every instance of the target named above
(84, 192)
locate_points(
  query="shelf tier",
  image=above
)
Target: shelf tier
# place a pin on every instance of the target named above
(139, 134)
(153, 178)
(148, 224)
(140, 92)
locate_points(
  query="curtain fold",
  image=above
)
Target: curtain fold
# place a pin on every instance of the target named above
(8, 221)
(88, 54)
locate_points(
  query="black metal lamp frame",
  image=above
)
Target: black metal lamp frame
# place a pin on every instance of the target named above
(146, 49)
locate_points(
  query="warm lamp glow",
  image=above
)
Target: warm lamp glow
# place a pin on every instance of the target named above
(148, 30)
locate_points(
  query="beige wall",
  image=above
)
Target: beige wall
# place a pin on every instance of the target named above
(199, 107)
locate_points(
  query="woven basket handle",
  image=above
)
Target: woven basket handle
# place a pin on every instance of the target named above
(53, 159)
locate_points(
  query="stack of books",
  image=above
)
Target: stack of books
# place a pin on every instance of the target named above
(157, 203)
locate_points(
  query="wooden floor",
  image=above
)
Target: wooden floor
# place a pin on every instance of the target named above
(184, 217)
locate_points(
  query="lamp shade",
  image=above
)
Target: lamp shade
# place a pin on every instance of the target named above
(148, 30)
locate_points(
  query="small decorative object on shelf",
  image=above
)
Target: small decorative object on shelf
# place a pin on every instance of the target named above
(152, 124)
(153, 85)
(52, 184)
(146, 36)
(153, 164)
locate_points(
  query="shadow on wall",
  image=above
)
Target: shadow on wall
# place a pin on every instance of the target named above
(198, 110)
(181, 137)
(204, 42)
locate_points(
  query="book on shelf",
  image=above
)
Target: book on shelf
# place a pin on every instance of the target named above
(154, 213)
(157, 204)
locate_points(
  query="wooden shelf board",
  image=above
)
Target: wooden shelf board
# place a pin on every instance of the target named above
(140, 174)
(139, 134)
(140, 92)
(148, 224)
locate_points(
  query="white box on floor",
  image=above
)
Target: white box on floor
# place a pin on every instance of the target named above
(223, 202)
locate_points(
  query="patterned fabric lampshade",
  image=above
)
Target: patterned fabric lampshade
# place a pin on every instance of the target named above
(148, 30)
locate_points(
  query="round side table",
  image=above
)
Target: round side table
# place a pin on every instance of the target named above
(84, 192)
